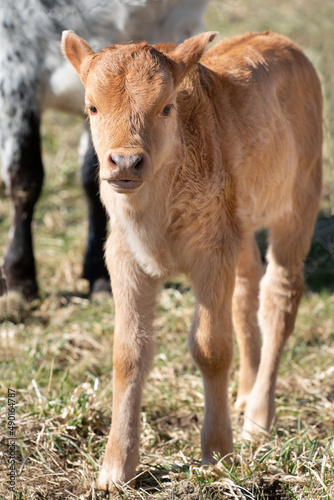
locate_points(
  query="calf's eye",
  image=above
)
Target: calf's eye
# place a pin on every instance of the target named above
(166, 110)
(92, 110)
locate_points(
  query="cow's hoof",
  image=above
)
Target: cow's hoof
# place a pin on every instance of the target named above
(26, 289)
(101, 289)
(12, 306)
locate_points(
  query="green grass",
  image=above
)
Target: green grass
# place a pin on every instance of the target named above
(57, 354)
(62, 374)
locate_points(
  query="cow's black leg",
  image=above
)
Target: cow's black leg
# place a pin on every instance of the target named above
(24, 178)
(94, 270)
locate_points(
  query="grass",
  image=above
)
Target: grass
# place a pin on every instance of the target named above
(57, 355)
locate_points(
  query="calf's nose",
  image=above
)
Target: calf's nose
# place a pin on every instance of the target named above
(131, 162)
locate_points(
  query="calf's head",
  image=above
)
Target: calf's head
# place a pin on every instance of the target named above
(131, 102)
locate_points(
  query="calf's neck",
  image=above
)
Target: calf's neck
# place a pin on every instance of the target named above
(197, 151)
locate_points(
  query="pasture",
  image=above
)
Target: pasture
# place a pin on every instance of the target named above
(57, 352)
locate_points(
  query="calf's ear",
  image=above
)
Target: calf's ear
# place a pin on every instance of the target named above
(77, 51)
(165, 48)
(184, 56)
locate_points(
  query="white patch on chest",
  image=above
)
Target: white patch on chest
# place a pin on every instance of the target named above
(145, 235)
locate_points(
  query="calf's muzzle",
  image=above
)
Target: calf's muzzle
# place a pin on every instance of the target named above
(134, 163)
(124, 172)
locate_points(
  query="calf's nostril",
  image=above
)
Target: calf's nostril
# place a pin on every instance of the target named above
(137, 163)
(116, 160)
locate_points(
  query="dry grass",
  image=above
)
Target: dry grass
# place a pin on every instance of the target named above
(61, 371)
(57, 353)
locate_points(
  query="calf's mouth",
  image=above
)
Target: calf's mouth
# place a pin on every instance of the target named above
(124, 185)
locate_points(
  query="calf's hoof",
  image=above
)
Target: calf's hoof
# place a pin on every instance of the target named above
(110, 478)
(258, 420)
(255, 434)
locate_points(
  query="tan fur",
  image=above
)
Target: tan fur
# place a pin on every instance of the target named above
(239, 150)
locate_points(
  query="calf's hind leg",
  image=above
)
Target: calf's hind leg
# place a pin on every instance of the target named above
(281, 290)
(245, 307)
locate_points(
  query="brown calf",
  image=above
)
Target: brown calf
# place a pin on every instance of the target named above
(193, 159)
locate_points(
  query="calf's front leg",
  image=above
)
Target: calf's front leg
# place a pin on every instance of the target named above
(211, 344)
(134, 294)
